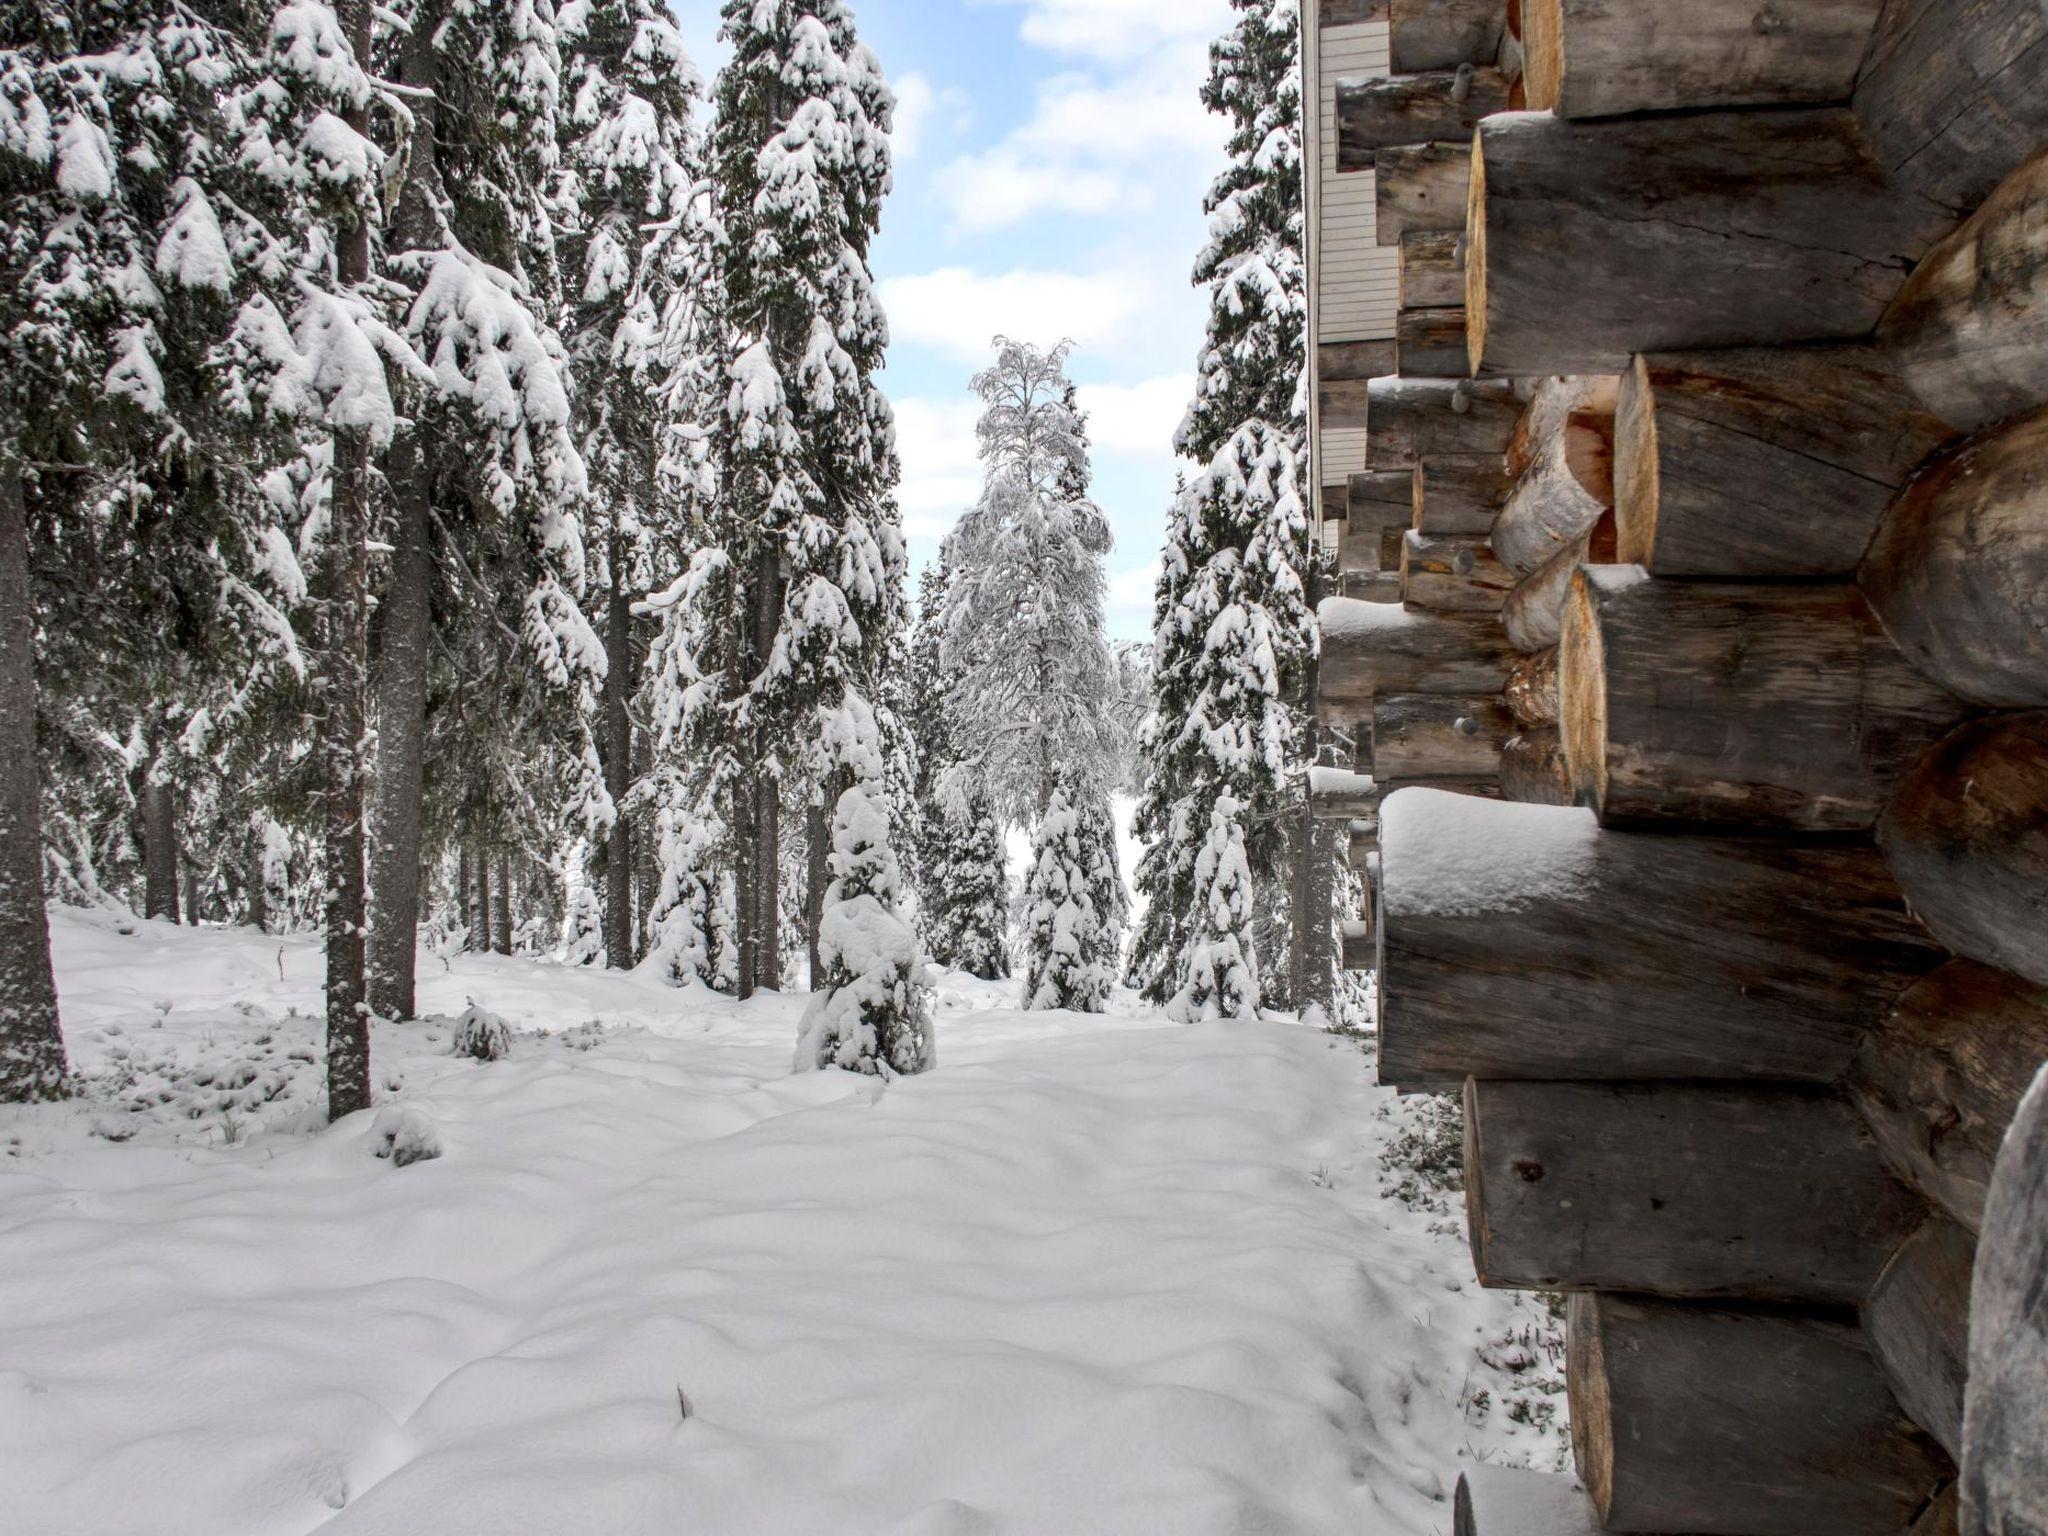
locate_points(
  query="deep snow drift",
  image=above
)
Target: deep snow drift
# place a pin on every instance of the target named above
(1091, 1275)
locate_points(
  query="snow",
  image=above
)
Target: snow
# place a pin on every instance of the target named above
(1325, 781)
(1093, 1274)
(1449, 855)
(1356, 616)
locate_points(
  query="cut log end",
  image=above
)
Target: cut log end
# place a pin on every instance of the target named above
(1592, 1411)
(1542, 53)
(1636, 476)
(1475, 259)
(1582, 704)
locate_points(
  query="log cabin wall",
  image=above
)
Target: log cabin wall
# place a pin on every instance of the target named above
(1700, 693)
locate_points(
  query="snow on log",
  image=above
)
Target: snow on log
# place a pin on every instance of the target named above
(1433, 107)
(1507, 1501)
(1533, 769)
(2005, 1418)
(1941, 1080)
(1954, 94)
(1442, 34)
(1762, 461)
(1531, 692)
(1523, 942)
(1429, 343)
(1742, 704)
(1453, 575)
(1337, 794)
(1534, 614)
(1586, 243)
(1966, 837)
(1565, 488)
(1959, 569)
(1374, 648)
(1969, 330)
(1418, 420)
(1730, 1421)
(1606, 58)
(1918, 1322)
(1433, 270)
(1678, 1189)
(1458, 496)
(1419, 186)
(1422, 738)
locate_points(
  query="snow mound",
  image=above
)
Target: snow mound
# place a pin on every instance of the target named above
(481, 1035)
(1450, 855)
(405, 1134)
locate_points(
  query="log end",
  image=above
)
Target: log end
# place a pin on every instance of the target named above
(1637, 480)
(1582, 693)
(1475, 257)
(1592, 1415)
(1542, 53)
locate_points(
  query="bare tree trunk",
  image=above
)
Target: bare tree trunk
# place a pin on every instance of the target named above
(157, 819)
(342, 666)
(32, 1064)
(746, 914)
(465, 897)
(766, 845)
(1312, 961)
(616, 741)
(818, 842)
(504, 903)
(483, 899)
(401, 747)
(646, 867)
(259, 896)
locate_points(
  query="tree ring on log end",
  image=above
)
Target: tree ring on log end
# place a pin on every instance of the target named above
(1542, 53)
(1475, 258)
(1586, 1389)
(1637, 476)
(1582, 694)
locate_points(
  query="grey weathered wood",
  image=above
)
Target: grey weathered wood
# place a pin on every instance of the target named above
(1358, 548)
(1605, 58)
(1334, 503)
(1743, 704)
(1531, 692)
(1534, 614)
(1429, 343)
(1620, 955)
(1727, 1421)
(1508, 1501)
(1762, 461)
(1918, 1322)
(1420, 186)
(1678, 1189)
(1589, 242)
(1442, 34)
(1371, 586)
(1532, 768)
(1567, 488)
(1969, 330)
(1422, 738)
(1552, 402)
(1412, 420)
(1458, 497)
(1967, 839)
(1371, 649)
(1941, 1080)
(1341, 404)
(1454, 575)
(1355, 359)
(2005, 1415)
(1954, 93)
(1435, 107)
(1350, 13)
(1432, 270)
(1381, 498)
(1959, 568)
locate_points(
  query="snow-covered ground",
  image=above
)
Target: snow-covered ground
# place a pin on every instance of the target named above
(1091, 1275)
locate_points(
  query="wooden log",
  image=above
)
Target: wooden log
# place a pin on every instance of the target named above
(1729, 1421)
(1761, 705)
(1341, 405)
(1966, 837)
(1959, 568)
(1433, 270)
(1534, 613)
(1762, 461)
(1458, 497)
(1335, 504)
(1420, 738)
(1371, 586)
(1941, 1080)
(1358, 548)
(1552, 402)
(1453, 575)
(1918, 1322)
(1939, 1518)
(1606, 58)
(2005, 1416)
(1507, 1501)
(1442, 34)
(1586, 243)
(1954, 94)
(1419, 186)
(1429, 343)
(1350, 13)
(1533, 769)
(1371, 649)
(1678, 1189)
(1522, 942)
(1367, 494)
(1338, 794)
(1417, 420)
(1433, 107)
(1531, 693)
(1562, 496)
(1969, 329)
(1355, 359)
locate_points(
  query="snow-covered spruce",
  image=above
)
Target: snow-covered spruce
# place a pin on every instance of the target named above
(1220, 979)
(874, 1014)
(1068, 940)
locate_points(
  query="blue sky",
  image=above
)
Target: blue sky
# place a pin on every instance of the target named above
(1051, 157)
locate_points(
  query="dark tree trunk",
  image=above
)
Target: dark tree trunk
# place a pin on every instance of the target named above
(465, 896)
(32, 1064)
(342, 668)
(401, 735)
(504, 903)
(746, 915)
(481, 938)
(766, 845)
(1311, 960)
(646, 868)
(157, 816)
(817, 844)
(617, 745)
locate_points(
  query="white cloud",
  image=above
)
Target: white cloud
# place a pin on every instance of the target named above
(1136, 420)
(1117, 30)
(1130, 597)
(959, 311)
(920, 107)
(941, 463)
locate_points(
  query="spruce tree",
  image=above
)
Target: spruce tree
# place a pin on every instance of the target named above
(1234, 634)
(1066, 964)
(1219, 979)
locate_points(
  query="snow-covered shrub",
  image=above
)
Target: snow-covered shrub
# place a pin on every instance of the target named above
(1221, 979)
(481, 1035)
(404, 1134)
(1424, 1161)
